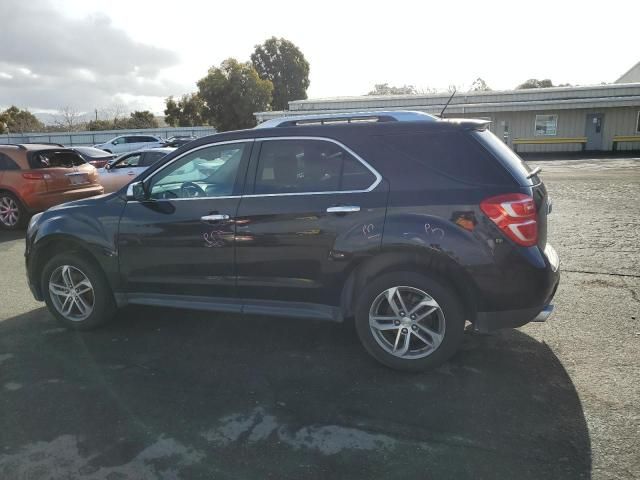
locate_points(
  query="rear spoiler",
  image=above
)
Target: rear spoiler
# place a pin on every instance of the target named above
(469, 123)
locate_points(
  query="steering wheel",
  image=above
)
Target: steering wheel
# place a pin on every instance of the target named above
(191, 190)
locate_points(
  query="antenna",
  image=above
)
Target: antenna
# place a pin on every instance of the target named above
(447, 104)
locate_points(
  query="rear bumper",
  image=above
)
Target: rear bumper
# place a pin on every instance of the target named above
(489, 321)
(41, 202)
(546, 287)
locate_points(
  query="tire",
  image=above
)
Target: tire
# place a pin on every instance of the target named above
(99, 298)
(445, 322)
(13, 215)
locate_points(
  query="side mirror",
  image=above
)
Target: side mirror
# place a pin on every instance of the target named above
(136, 191)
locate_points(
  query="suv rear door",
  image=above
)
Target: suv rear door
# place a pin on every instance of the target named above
(311, 205)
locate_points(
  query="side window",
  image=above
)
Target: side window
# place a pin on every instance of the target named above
(132, 140)
(150, 139)
(149, 158)
(207, 172)
(308, 166)
(118, 141)
(455, 155)
(7, 164)
(129, 161)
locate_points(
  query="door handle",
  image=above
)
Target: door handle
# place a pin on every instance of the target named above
(216, 217)
(343, 209)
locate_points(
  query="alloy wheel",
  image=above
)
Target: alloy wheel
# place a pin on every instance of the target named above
(9, 212)
(407, 322)
(72, 293)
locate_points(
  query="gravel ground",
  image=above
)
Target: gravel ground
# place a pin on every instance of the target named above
(170, 394)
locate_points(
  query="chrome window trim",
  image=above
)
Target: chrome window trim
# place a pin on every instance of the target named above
(207, 145)
(378, 177)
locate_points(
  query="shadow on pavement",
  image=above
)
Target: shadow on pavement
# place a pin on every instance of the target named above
(9, 236)
(160, 393)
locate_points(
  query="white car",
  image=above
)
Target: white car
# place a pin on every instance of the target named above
(125, 168)
(129, 143)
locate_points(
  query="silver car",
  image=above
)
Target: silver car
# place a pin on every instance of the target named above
(129, 143)
(117, 173)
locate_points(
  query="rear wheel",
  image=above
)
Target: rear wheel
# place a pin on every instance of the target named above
(12, 213)
(76, 292)
(409, 321)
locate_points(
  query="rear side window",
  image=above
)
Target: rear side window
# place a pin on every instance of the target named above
(308, 166)
(518, 168)
(7, 164)
(53, 159)
(453, 154)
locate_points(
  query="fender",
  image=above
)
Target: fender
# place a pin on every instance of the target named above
(90, 225)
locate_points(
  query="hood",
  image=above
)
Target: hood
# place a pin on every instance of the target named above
(84, 202)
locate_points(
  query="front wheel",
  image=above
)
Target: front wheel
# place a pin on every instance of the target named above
(409, 321)
(77, 292)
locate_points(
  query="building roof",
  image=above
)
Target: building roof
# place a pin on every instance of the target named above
(555, 98)
(630, 76)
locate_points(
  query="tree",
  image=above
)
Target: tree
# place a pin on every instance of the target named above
(386, 89)
(186, 112)
(68, 118)
(535, 83)
(283, 64)
(479, 85)
(141, 119)
(94, 125)
(231, 93)
(14, 120)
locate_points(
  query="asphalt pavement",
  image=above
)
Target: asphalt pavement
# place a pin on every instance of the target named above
(161, 393)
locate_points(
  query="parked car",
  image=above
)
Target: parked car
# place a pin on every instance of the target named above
(125, 168)
(128, 143)
(178, 140)
(94, 156)
(33, 177)
(407, 224)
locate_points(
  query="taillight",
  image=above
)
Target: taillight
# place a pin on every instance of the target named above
(36, 176)
(515, 214)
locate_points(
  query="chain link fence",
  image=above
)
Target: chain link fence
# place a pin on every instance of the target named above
(92, 138)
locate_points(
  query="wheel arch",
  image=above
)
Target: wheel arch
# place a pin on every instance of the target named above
(416, 260)
(53, 245)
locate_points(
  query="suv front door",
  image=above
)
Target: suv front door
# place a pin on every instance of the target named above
(180, 241)
(310, 207)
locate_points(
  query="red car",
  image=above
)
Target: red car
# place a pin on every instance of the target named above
(34, 177)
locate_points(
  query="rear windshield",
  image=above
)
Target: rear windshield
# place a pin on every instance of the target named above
(453, 154)
(53, 159)
(92, 152)
(518, 168)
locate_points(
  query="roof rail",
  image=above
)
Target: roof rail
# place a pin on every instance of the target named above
(22, 144)
(351, 117)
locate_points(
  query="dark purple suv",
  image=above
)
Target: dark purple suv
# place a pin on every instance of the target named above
(407, 224)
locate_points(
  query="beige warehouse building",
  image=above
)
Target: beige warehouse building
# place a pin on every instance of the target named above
(559, 119)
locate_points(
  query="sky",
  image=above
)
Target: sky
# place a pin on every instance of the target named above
(97, 54)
